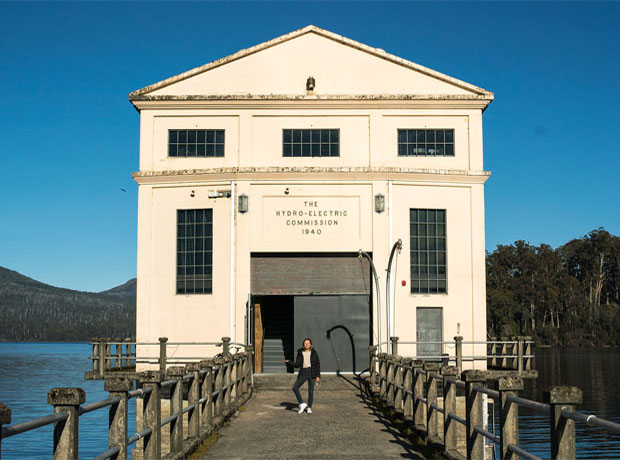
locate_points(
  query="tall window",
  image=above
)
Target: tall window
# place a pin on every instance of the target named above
(196, 143)
(428, 250)
(194, 251)
(311, 142)
(426, 142)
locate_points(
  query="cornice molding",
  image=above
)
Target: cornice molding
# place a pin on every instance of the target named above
(396, 101)
(352, 174)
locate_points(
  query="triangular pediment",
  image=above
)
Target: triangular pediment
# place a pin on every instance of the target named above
(341, 68)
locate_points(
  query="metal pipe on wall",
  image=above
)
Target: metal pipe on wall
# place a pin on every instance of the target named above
(374, 272)
(232, 261)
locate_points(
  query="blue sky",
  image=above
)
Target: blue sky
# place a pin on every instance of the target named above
(69, 136)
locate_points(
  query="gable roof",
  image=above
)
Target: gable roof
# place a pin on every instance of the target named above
(476, 92)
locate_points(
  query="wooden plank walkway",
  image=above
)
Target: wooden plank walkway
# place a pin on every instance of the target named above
(344, 425)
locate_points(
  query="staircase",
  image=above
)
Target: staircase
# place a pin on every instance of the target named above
(278, 341)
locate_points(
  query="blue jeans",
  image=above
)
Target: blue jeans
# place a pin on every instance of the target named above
(304, 374)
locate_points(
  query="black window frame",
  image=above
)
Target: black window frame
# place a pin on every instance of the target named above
(194, 253)
(311, 142)
(428, 250)
(424, 142)
(196, 143)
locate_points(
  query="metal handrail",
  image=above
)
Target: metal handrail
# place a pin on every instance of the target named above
(18, 428)
(98, 405)
(487, 434)
(455, 417)
(535, 405)
(167, 420)
(522, 453)
(139, 435)
(111, 452)
(592, 420)
(487, 391)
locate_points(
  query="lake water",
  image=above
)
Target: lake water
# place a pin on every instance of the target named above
(597, 373)
(29, 370)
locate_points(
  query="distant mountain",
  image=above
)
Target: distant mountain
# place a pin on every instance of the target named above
(34, 311)
(127, 290)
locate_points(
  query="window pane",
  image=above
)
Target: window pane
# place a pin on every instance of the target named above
(194, 256)
(427, 250)
(311, 142)
(425, 142)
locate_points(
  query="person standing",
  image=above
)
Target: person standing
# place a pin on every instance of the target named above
(310, 370)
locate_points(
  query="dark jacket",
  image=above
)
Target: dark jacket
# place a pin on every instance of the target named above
(315, 364)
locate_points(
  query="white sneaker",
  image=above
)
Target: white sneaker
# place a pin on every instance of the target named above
(302, 407)
(309, 410)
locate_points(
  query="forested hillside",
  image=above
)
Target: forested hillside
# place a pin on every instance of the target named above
(567, 296)
(34, 311)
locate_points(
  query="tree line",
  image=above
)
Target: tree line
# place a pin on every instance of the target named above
(563, 296)
(34, 311)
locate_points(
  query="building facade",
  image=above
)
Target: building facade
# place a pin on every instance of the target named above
(262, 176)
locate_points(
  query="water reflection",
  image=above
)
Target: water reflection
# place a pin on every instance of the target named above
(597, 373)
(27, 372)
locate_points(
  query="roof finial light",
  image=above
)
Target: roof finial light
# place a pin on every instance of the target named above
(310, 85)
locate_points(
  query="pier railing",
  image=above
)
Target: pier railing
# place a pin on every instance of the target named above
(216, 387)
(411, 387)
(501, 353)
(118, 356)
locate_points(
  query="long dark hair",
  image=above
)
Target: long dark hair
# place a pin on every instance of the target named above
(304, 341)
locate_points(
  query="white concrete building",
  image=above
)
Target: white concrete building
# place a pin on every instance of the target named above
(264, 173)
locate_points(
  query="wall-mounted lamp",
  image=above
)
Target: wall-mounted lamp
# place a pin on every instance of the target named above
(243, 203)
(379, 203)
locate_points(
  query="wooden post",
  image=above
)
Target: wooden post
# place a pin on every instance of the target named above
(162, 355)
(118, 418)
(228, 382)
(96, 356)
(394, 341)
(108, 353)
(372, 363)
(398, 385)
(66, 432)
(407, 389)
(151, 413)
(258, 339)
(102, 357)
(5, 419)
(193, 397)
(520, 350)
(504, 360)
(382, 375)
(449, 407)
(118, 349)
(419, 417)
(207, 393)
(391, 364)
(176, 408)
(248, 368)
(508, 414)
(226, 346)
(474, 412)
(432, 426)
(563, 439)
(219, 385)
(458, 347)
(528, 352)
